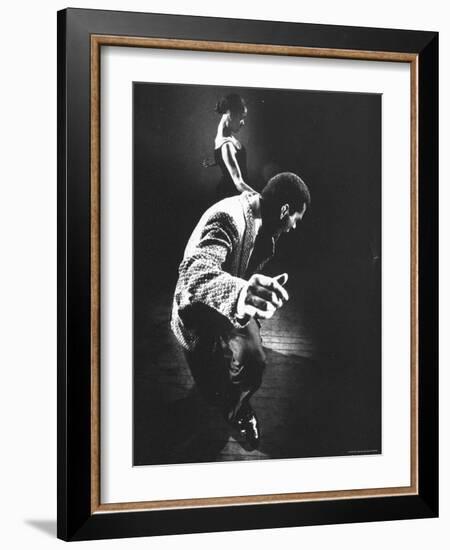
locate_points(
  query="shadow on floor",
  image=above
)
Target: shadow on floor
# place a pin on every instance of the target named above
(47, 526)
(183, 431)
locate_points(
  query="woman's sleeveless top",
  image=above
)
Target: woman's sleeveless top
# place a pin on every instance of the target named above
(226, 187)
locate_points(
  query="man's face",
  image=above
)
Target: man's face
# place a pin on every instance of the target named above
(289, 221)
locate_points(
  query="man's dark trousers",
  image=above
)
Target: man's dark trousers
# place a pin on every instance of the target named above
(228, 367)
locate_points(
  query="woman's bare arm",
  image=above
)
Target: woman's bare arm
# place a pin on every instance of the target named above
(232, 165)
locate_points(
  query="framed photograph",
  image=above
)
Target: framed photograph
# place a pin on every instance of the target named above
(247, 270)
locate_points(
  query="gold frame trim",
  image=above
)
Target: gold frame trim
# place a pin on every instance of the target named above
(97, 41)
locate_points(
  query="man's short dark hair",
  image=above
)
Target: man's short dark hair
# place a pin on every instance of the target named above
(285, 188)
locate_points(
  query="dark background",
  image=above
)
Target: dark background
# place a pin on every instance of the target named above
(326, 387)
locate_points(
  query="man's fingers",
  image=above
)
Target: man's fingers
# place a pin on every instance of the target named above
(282, 279)
(265, 311)
(262, 280)
(264, 314)
(260, 303)
(281, 291)
(266, 294)
(272, 284)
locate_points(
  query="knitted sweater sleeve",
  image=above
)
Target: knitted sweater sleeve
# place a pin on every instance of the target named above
(202, 276)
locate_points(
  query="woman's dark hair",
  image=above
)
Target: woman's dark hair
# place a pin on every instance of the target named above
(231, 102)
(284, 188)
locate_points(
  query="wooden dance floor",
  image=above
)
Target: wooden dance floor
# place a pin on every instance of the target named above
(320, 394)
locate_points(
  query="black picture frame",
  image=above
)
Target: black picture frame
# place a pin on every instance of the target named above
(78, 518)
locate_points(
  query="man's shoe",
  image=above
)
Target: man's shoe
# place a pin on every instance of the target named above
(246, 424)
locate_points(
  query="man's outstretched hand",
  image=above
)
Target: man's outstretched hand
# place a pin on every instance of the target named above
(264, 295)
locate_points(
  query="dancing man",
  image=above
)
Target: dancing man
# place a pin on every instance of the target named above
(221, 295)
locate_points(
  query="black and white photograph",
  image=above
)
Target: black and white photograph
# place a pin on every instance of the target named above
(256, 273)
(225, 288)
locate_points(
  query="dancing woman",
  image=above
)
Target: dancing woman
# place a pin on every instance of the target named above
(229, 153)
